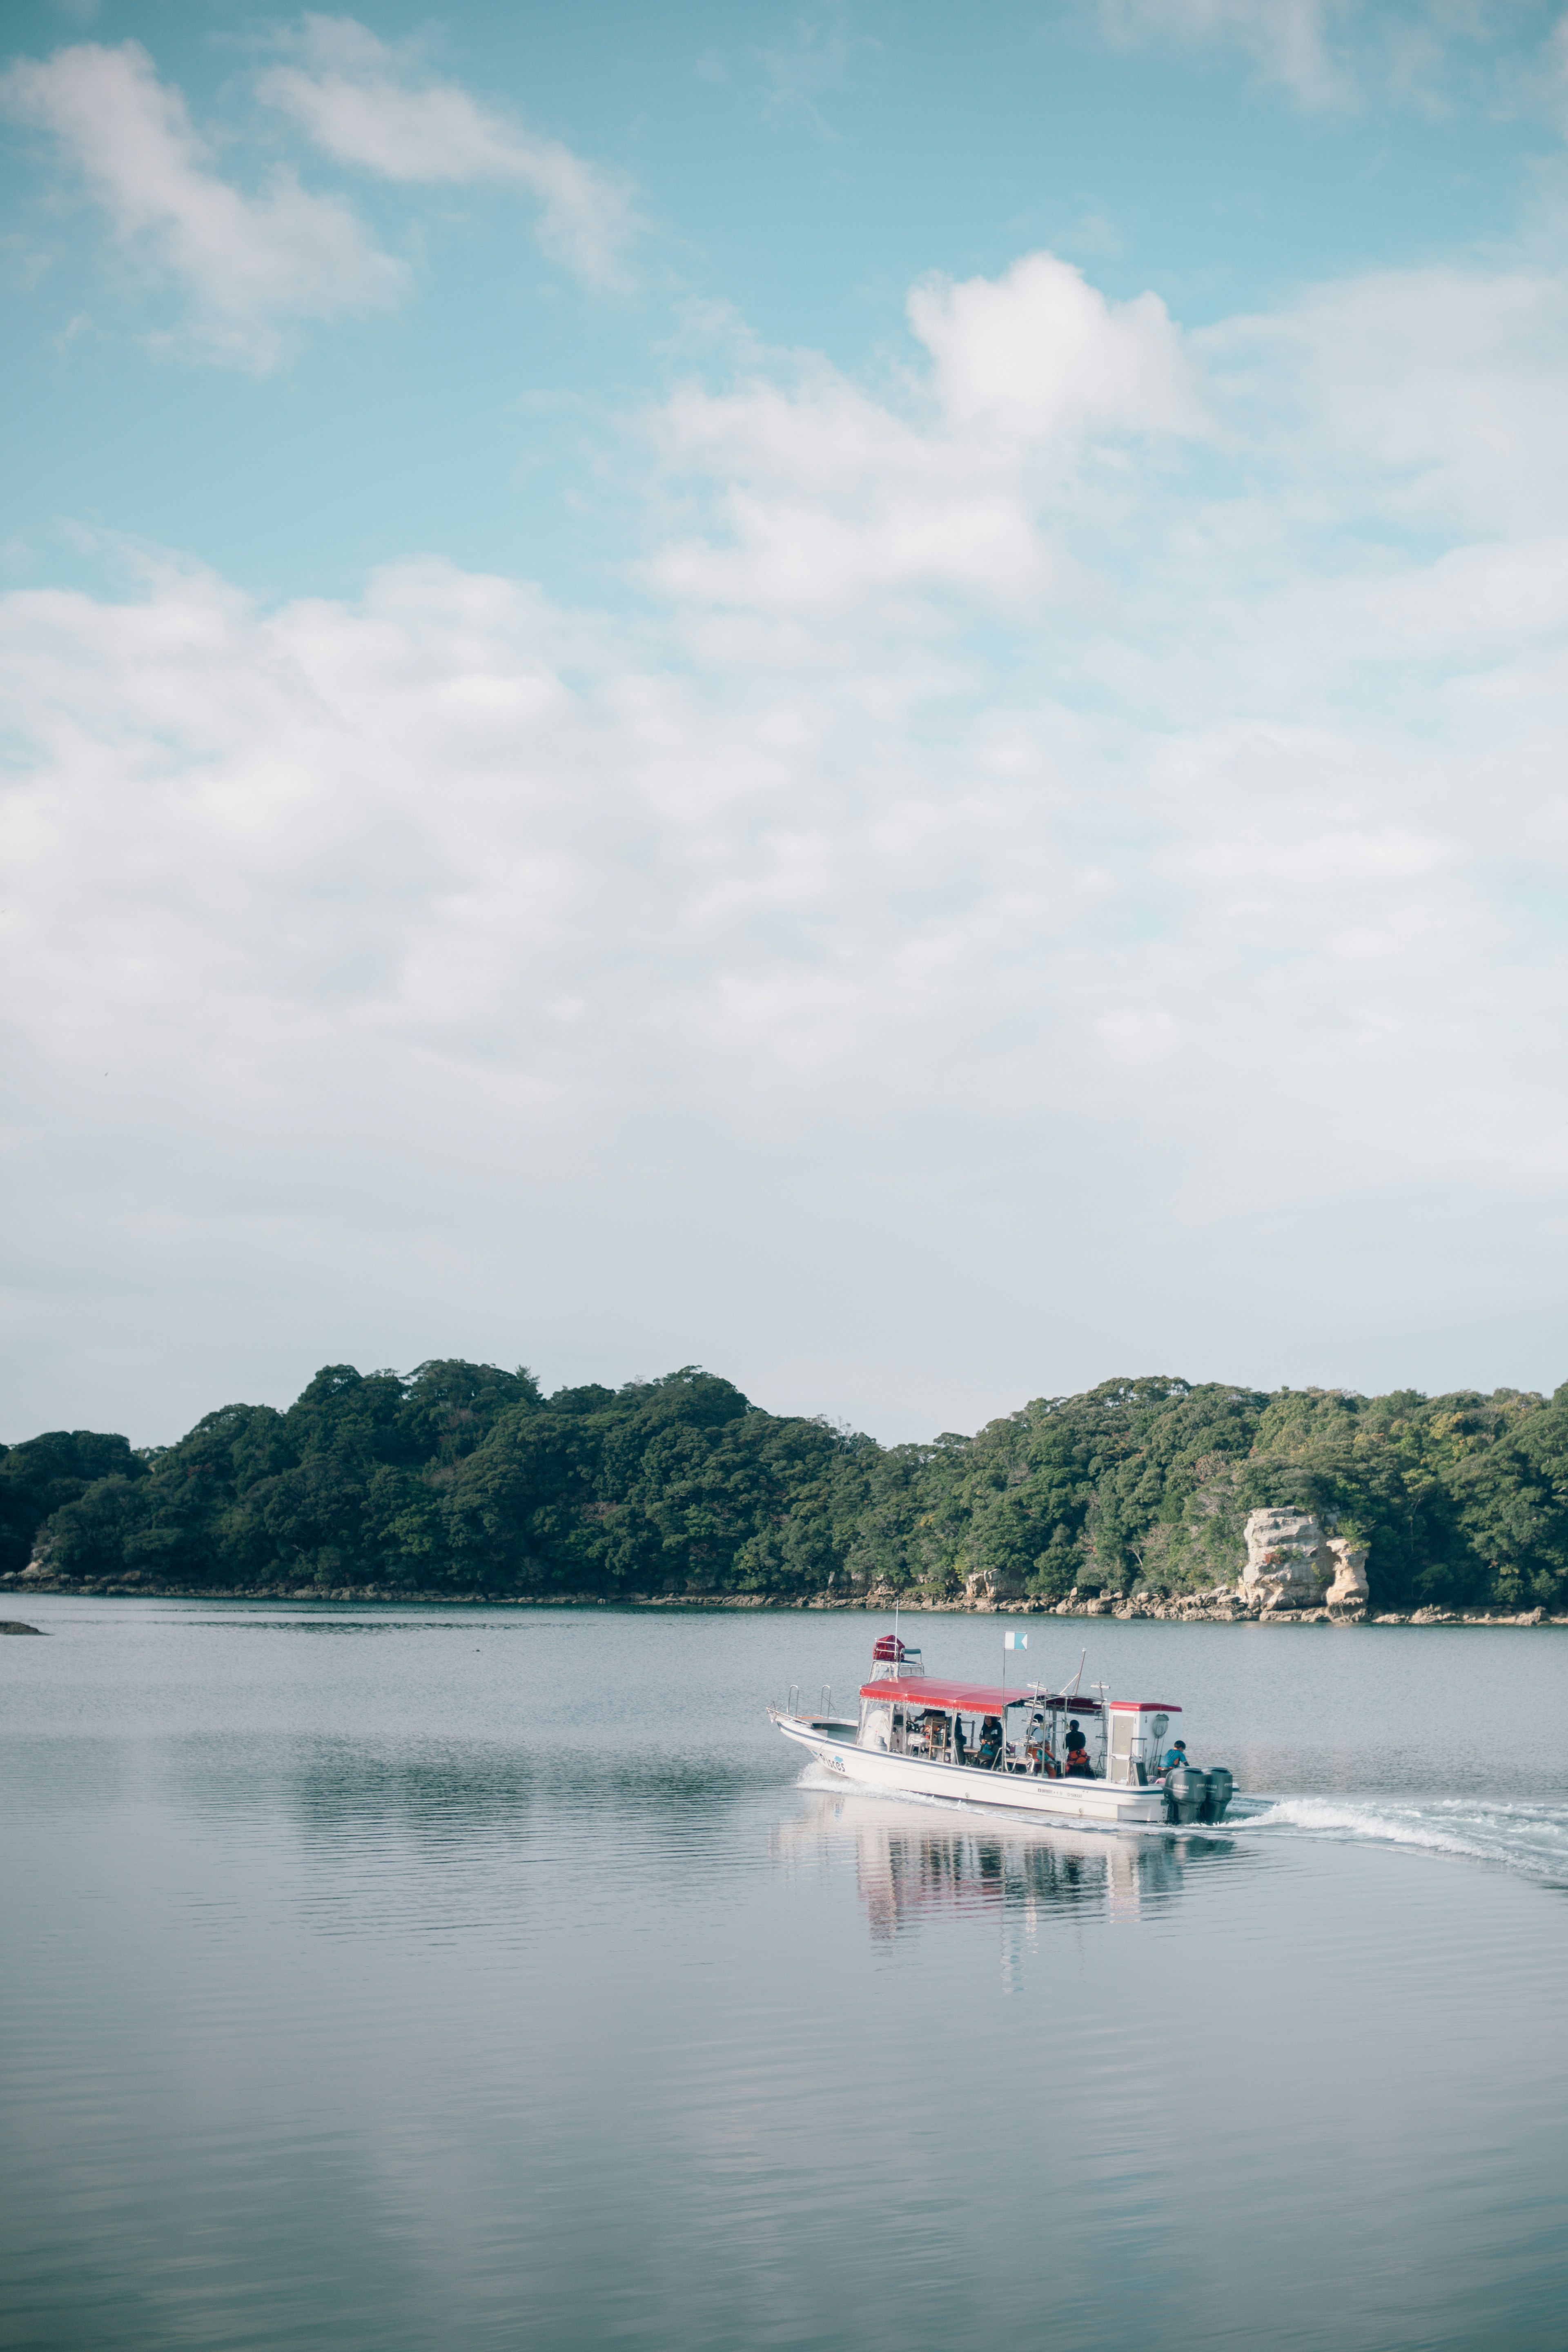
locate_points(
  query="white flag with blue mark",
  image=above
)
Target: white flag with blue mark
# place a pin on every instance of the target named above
(1015, 1641)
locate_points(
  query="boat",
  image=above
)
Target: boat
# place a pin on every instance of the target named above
(1067, 1755)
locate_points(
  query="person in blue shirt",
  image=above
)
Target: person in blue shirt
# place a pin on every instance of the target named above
(1175, 1756)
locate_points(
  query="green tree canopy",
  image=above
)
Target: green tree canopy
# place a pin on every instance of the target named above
(467, 1478)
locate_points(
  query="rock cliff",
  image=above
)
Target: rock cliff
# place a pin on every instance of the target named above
(1291, 1564)
(1348, 1589)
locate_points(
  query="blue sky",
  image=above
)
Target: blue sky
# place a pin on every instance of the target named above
(871, 695)
(800, 172)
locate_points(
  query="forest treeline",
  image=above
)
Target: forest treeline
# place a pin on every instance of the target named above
(466, 1477)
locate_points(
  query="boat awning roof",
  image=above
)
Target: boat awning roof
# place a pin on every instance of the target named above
(970, 1698)
(1143, 1706)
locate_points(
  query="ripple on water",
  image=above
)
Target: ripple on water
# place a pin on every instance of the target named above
(405, 1991)
(1531, 1840)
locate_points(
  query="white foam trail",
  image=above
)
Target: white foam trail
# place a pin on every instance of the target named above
(1532, 1839)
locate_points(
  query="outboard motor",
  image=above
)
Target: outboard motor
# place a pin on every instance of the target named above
(1186, 1793)
(1219, 1792)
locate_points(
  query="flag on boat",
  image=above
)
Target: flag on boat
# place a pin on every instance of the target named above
(1015, 1641)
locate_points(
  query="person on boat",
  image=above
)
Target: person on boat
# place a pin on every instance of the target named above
(958, 1739)
(990, 1743)
(1079, 1765)
(1037, 1749)
(1174, 1756)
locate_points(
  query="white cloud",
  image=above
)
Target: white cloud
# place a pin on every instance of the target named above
(1433, 395)
(250, 265)
(1288, 41)
(845, 948)
(1040, 352)
(816, 57)
(1427, 55)
(367, 104)
(828, 494)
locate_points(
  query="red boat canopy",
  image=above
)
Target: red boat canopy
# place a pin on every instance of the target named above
(1142, 1707)
(970, 1698)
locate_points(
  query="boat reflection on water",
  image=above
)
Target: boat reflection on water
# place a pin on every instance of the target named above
(913, 1864)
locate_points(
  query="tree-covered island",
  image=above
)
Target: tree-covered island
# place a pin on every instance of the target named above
(462, 1478)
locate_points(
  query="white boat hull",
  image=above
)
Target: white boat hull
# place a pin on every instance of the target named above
(1101, 1802)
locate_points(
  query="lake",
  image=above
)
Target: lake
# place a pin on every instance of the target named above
(405, 1978)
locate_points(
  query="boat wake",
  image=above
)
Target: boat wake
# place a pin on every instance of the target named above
(1530, 1839)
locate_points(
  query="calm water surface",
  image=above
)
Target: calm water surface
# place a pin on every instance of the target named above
(414, 1978)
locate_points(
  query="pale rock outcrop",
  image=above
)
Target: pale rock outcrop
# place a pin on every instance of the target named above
(1291, 1564)
(1349, 1588)
(1288, 1565)
(983, 1588)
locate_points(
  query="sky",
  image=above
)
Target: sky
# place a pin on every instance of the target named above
(873, 696)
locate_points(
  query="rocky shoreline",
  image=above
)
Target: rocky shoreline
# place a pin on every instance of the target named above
(1222, 1606)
